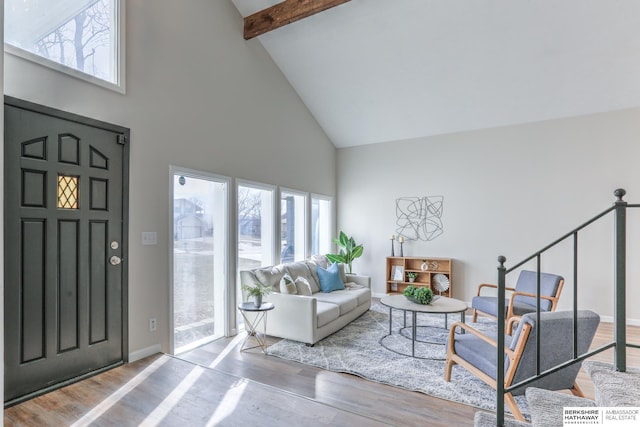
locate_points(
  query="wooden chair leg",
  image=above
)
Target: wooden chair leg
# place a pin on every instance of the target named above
(576, 390)
(475, 315)
(447, 369)
(511, 403)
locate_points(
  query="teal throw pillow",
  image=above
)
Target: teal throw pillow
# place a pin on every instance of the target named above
(330, 278)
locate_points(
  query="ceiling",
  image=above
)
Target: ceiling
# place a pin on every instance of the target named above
(384, 70)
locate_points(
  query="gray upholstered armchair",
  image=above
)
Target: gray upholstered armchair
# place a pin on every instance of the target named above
(523, 296)
(476, 352)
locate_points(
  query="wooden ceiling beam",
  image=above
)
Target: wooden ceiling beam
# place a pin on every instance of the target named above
(284, 13)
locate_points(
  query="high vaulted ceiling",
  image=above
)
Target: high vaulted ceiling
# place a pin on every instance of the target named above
(384, 70)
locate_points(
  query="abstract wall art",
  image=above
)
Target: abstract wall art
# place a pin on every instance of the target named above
(419, 218)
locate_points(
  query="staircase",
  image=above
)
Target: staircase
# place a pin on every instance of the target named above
(619, 342)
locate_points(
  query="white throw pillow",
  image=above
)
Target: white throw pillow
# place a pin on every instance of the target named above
(303, 287)
(287, 285)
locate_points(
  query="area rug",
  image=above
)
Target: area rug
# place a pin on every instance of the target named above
(356, 349)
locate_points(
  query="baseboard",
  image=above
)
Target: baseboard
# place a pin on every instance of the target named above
(630, 322)
(142, 353)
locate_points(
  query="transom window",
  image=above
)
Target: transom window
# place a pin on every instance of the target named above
(79, 37)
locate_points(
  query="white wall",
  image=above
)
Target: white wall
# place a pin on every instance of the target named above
(198, 96)
(507, 191)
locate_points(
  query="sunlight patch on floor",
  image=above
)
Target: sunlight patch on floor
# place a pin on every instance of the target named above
(169, 402)
(228, 349)
(229, 403)
(114, 397)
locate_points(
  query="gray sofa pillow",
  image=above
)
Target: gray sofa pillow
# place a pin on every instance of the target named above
(301, 269)
(270, 276)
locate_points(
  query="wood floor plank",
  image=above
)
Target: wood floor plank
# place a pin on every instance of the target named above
(218, 385)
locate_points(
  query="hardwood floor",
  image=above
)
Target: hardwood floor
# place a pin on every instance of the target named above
(217, 385)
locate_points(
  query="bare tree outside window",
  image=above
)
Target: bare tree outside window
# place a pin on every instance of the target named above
(81, 42)
(79, 34)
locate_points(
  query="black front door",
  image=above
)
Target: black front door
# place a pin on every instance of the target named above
(64, 225)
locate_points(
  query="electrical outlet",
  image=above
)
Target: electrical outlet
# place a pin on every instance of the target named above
(153, 326)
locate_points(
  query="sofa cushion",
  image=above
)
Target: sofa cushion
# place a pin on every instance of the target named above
(345, 300)
(270, 276)
(303, 287)
(301, 269)
(362, 293)
(614, 388)
(330, 278)
(287, 285)
(327, 312)
(318, 260)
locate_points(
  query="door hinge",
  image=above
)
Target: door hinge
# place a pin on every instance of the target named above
(122, 139)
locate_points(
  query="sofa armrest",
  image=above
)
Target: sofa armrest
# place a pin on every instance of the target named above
(294, 316)
(359, 280)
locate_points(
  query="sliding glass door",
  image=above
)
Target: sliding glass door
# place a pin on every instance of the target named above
(199, 268)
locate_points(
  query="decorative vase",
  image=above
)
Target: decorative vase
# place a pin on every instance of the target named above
(257, 301)
(412, 279)
(424, 266)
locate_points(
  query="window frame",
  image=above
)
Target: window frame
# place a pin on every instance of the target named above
(306, 219)
(119, 56)
(331, 220)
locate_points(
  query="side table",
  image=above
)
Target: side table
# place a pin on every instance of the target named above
(251, 325)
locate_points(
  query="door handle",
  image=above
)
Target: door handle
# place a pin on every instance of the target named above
(115, 260)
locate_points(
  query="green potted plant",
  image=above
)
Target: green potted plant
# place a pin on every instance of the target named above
(418, 294)
(412, 275)
(349, 250)
(257, 292)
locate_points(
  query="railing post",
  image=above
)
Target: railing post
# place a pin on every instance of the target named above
(502, 271)
(620, 280)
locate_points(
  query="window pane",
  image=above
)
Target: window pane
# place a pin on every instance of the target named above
(292, 229)
(199, 256)
(320, 226)
(255, 227)
(67, 192)
(80, 34)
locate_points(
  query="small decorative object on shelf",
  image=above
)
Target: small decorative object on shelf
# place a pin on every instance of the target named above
(436, 277)
(440, 283)
(392, 240)
(419, 295)
(401, 241)
(411, 275)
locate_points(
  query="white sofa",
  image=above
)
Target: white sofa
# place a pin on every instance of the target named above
(309, 319)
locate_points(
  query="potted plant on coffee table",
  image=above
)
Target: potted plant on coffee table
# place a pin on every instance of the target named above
(257, 291)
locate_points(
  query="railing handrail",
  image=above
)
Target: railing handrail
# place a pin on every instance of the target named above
(619, 342)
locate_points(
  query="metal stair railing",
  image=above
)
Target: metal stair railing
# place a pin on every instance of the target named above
(619, 343)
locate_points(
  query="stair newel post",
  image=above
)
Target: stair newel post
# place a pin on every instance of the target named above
(620, 280)
(502, 271)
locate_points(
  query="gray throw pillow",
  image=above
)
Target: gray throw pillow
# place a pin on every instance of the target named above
(303, 287)
(270, 276)
(287, 285)
(301, 269)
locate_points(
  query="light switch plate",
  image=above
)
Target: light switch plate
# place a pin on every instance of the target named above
(149, 238)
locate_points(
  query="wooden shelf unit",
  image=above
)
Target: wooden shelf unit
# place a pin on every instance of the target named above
(425, 278)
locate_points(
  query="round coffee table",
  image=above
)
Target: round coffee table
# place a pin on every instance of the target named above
(440, 305)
